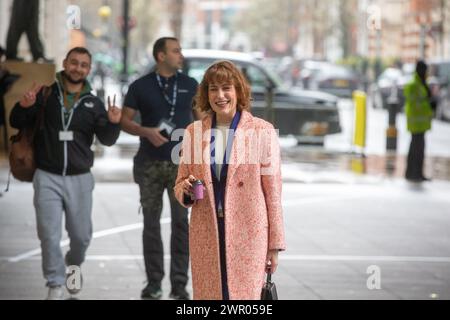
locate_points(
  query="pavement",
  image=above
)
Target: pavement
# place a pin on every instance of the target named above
(355, 229)
(341, 232)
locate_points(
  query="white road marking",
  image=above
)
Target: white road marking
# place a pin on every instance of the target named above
(295, 202)
(363, 258)
(281, 257)
(95, 235)
(32, 254)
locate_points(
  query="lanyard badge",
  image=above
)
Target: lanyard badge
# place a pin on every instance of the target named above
(66, 116)
(166, 127)
(65, 134)
(164, 88)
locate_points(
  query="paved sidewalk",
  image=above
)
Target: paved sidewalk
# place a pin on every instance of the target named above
(334, 231)
(345, 221)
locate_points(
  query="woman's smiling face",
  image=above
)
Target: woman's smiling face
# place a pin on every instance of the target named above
(223, 100)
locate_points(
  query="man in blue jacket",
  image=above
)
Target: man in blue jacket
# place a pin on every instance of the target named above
(72, 115)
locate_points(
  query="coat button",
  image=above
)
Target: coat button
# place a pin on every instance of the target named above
(240, 184)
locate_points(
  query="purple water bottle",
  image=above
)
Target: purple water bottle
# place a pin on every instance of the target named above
(198, 189)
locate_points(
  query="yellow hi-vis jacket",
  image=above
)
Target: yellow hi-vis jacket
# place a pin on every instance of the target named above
(417, 106)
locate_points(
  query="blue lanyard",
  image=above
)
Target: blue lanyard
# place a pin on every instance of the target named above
(174, 95)
(219, 185)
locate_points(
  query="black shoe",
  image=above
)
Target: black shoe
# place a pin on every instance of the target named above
(425, 179)
(414, 179)
(179, 293)
(152, 291)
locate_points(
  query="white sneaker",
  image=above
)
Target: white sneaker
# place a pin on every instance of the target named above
(55, 293)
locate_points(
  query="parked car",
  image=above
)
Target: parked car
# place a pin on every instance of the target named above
(335, 79)
(308, 70)
(307, 115)
(439, 82)
(383, 87)
(391, 79)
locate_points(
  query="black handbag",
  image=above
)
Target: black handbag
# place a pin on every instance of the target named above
(269, 290)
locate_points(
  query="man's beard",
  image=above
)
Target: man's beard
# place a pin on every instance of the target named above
(71, 80)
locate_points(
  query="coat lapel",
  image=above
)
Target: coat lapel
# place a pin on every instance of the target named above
(206, 149)
(246, 118)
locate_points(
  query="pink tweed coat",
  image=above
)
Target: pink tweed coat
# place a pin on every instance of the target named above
(253, 216)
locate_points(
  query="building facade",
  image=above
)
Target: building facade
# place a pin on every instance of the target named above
(407, 29)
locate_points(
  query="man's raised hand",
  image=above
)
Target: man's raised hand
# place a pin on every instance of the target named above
(114, 112)
(29, 98)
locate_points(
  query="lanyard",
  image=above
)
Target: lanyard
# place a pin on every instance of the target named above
(63, 96)
(172, 102)
(219, 185)
(66, 123)
(75, 99)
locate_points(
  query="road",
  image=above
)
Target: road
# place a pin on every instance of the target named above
(354, 228)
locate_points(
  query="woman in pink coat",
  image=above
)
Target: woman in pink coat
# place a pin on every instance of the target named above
(236, 229)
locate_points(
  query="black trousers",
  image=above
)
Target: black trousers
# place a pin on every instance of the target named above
(153, 178)
(416, 155)
(24, 18)
(223, 265)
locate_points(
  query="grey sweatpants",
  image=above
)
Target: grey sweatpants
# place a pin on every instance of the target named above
(53, 195)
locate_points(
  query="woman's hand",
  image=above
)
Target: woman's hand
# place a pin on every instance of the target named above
(187, 185)
(272, 261)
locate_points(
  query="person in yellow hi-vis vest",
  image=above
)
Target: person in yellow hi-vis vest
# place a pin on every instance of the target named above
(419, 106)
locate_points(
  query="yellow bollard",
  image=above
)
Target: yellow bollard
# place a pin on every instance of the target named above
(359, 136)
(358, 165)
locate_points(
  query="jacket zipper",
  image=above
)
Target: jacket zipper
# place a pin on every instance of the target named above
(66, 154)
